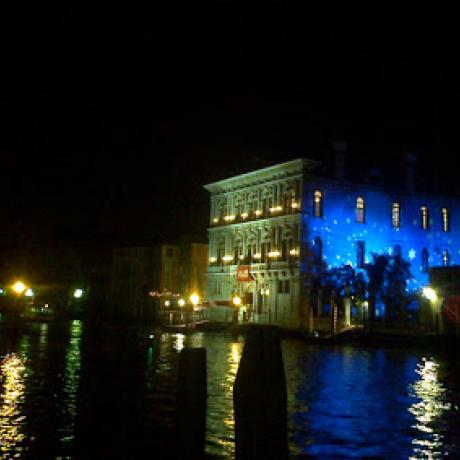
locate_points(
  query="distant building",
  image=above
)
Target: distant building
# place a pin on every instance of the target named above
(149, 276)
(286, 224)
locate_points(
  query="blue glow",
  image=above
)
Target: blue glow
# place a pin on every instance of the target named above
(339, 232)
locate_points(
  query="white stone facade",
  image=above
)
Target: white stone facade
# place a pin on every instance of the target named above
(255, 221)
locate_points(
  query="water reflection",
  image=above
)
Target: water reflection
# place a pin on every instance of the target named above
(71, 382)
(428, 410)
(12, 396)
(179, 341)
(224, 354)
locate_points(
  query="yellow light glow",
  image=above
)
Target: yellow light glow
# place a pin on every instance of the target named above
(294, 205)
(195, 299)
(276, 209)
(181, 302)
(215, 220)
(19, 287)
(236, 301)
(429, 293)
(212, 259)
(229, 218)
(258, 212)
(257, 256)
(293, 252)
(244, 215)
(167, 303)
(241, 257)
(11, 403)
(273, 254)
(227, 258)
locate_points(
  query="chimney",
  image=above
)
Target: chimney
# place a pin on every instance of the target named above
(340, 148)
(410, 160)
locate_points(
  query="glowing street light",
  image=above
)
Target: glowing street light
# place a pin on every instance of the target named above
(195, 299)
(181, 302)
(78, 293)
(429, 293)
(237, 301)
(29, 293)
(19, 287)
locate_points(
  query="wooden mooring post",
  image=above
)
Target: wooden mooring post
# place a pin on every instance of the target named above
(191, 404)
(259, 398)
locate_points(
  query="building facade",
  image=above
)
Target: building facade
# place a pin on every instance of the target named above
(163, 272)
(288, 225)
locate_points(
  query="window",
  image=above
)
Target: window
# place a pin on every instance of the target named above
(318, 203)
(424, 218)
(284, 287)
(396, 215)
(318, 250)
(397, 251)
(445, 258)
(360, 250)
(169, 252)
(445, 220)
(360, 210)
(425, 262)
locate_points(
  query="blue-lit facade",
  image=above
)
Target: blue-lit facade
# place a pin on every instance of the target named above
(290, 227)
(390, 221)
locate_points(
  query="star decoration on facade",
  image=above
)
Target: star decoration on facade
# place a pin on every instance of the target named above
(412, 254)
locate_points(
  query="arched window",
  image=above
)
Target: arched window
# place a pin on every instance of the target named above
(396, 215)
(445, 220)
(360, 210)
(360, 254)
(425, 263)
(318, 203)
(397, 251)
(318, 250)
(424, 218)
(445, 258)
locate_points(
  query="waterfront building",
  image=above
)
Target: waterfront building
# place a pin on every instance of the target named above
(275, 231)
(146, 277)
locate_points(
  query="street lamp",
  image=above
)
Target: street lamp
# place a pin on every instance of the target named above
(181, 302)
(429, 293)
(19, 287)
(435, 306)
(195, 299)
(78, 293)
(237, 301)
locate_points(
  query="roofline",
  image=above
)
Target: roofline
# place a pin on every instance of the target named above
(300, 163)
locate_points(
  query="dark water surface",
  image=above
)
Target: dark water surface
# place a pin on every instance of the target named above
(68, 391)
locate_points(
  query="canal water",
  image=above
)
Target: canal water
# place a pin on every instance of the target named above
(71, 391)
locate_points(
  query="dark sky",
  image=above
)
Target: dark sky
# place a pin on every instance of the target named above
(113, 117)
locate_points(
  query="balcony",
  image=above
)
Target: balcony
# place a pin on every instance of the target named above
(275, 211)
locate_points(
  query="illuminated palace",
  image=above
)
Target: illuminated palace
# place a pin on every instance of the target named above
(282, 222)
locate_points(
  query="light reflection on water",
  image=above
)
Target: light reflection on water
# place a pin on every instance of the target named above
(71, 382)
(11, 413)
(351, 403)
(428, 411)
(342, 401)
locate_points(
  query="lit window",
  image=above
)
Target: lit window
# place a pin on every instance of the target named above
(318, 203)
(360, 250)
(445, 258)
(445, 220)
(360, 210)
(396, 215)
(424, 217)
(425, 263)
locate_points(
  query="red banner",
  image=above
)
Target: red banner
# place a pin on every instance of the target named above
(243, 274)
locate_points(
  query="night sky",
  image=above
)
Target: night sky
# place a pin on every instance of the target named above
(112, 118)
